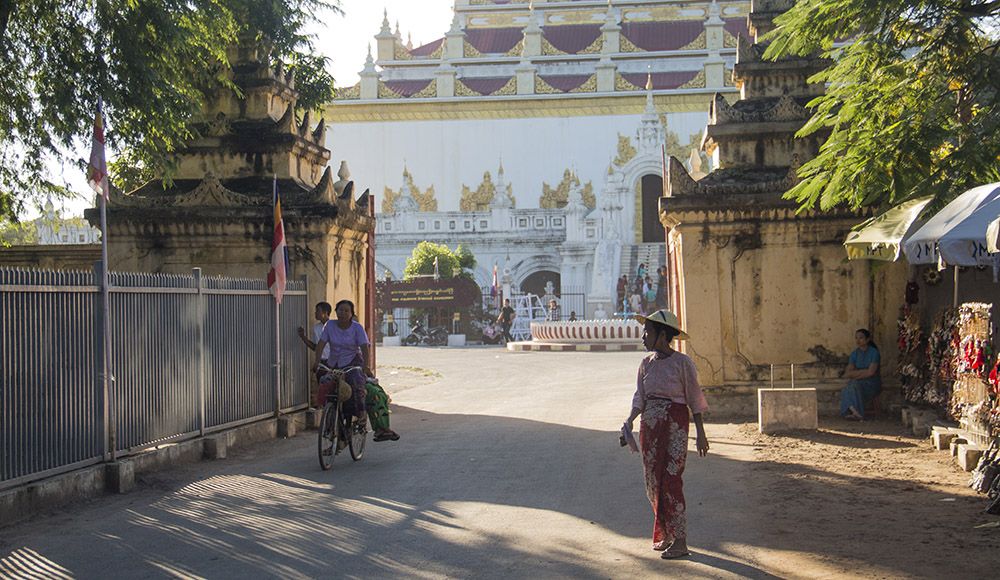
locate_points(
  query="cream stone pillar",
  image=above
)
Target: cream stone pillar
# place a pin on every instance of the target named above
(606, 75)
(532, 37)
(454, 43)
(369, 78)
(525, 78)
(445, 76)
(386, 40)
(715, 67)
(611, 32)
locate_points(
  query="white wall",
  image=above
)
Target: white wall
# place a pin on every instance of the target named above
(449, 154)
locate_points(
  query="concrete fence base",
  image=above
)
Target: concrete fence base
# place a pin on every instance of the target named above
(24, 501)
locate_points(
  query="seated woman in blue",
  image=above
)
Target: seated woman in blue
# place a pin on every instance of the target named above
(863, 370)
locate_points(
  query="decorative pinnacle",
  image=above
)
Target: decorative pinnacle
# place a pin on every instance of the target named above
(649, 80)
(385, 22)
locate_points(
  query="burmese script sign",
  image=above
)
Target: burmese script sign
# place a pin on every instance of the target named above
(427, 293)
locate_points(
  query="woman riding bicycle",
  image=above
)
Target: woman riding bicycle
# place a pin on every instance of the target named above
(349, 350)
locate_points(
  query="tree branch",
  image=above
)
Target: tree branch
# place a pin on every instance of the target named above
(6, 9)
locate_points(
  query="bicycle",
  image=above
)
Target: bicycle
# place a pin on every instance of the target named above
(335, 427)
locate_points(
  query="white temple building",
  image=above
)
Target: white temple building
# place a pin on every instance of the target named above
(534, 133)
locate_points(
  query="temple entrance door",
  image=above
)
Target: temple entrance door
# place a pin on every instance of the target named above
(538, 283)
(651, 189)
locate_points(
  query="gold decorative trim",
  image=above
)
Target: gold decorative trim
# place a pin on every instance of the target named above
(728, 78)
(557, 197)
(470, 51)
(349, 93)
(544, 88)
(621, 84)
(430, 91)
(626, 45)
(524, 107)
(728, 40)
(463, 90)
(575, 16)
(399, 52)
(638, 211)
(626, 152)
(696, 44)
(698, 82)
(426, 199)
(661, 14)
(480, 198)
(517, 49)
(548, 49)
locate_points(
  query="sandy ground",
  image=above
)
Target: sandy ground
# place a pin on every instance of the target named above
(509, 467)
(868, 500)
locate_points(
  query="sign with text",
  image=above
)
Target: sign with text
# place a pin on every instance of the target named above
(427, 293)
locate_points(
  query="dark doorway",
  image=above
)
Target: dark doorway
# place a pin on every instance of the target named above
(652, 190)
(535, 283)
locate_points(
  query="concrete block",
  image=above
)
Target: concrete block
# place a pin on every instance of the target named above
(941, 438)
(119, 476)
(312, 418)
(22, 502)
(920, 426)
(456, 340)
(286, 427)
(895, 410)
(905, 414)
(953, 446)
(968, 455)
(786, 409)
(392, 341)
(216, 446)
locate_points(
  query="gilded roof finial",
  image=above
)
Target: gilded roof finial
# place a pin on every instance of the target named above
(385, 22)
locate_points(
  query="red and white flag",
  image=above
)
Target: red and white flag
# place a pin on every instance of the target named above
(278, 273)
(97, 169)
(495, 288)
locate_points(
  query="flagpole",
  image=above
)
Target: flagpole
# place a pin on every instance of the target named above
(99, 180)
(277, 323)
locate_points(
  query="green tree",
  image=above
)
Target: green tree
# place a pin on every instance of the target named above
(17, 233)
(154, 62)
(465, 258)
(912, 101)
(450, 265)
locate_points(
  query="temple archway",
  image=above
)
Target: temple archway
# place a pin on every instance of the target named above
(535, 282)
(651, 189)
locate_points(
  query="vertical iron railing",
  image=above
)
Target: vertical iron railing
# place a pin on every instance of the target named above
(190, 355)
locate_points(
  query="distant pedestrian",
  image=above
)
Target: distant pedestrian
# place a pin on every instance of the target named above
(667, 390)
(553, 314)
(635, 302)
(572, 315)
(661, 287)
(506, 319)
(622, 288)
(640, 272)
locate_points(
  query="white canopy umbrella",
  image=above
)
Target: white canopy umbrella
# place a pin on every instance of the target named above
(954, 236)
(880, 237)
(993, 236)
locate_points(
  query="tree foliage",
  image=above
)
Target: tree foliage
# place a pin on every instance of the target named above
(913, 100)
(450, 263)
(154, 63)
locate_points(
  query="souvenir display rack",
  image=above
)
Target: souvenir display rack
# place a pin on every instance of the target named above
(974, 401)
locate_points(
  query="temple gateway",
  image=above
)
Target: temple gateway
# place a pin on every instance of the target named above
(534, 133)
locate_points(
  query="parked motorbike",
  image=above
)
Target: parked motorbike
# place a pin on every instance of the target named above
(492, 333)
(419, 335)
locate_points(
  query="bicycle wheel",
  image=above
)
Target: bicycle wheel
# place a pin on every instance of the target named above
(328, 434)
(358, 436)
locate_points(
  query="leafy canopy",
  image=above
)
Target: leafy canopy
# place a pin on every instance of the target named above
(913, 100)
(450, 263)
(154, 62)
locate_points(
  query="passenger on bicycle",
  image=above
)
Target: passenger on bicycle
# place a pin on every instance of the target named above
(322, 315)
(348, 344)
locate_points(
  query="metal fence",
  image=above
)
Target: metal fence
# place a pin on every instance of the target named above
(189, 356)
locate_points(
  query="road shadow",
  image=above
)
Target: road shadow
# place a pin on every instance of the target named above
(411, 510)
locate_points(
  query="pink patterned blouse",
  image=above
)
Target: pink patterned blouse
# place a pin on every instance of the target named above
(671, 377)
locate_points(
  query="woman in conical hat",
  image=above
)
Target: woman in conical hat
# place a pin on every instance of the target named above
(667, 394)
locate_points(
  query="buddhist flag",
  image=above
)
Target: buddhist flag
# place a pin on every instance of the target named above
(278, 273)
(97, 169)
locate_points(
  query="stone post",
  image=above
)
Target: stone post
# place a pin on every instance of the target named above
(445, 76)
(715, 67)
(386, 40)
(525, 77)
(606, 70)
(454, 43)
(611, 32)
(532, 37)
